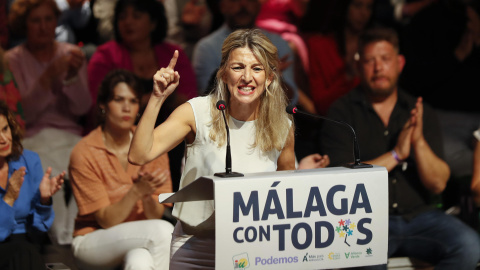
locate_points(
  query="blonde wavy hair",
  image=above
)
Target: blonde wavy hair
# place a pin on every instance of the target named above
(272, 124)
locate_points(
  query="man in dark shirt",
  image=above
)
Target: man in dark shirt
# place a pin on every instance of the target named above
(399, 132)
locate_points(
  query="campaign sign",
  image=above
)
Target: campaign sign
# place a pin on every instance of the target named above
(309, 219)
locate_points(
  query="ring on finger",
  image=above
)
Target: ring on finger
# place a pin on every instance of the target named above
(162, 75)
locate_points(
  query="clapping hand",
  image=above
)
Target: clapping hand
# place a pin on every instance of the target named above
(75, 60)
(417, 116)
(166, 79)
(148, 182)
(50, 186)
(71, 63)
(412, 132)
(14, 184)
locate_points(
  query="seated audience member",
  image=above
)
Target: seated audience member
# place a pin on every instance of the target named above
(238, 15)
(52, 80)
(332, 46)
(9, 91)
(25, 198)
(188, 22)
(443, 68)
(140, 27)
(119, 216)
(401, 133)
(74, 15)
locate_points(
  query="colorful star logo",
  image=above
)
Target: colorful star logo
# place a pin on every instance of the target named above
(345, 229)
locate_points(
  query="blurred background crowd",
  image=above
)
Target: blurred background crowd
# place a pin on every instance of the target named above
(56, 54)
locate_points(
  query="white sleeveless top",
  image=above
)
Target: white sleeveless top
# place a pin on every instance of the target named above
(204, 158)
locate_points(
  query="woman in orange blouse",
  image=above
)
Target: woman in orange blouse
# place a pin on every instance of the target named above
(119, 219)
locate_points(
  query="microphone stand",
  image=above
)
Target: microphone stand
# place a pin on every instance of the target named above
(356, 149)
(228, 158)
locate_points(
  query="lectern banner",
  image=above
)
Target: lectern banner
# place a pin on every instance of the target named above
(312, 219)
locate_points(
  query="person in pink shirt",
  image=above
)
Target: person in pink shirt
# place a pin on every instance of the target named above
(140, 27)
(52, 81)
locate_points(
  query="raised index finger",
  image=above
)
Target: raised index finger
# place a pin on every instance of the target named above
(173, 61)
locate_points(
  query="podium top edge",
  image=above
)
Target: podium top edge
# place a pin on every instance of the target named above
(328, 170)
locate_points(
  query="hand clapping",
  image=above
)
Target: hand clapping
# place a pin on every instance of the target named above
(412, 133)
(74, 62)
(14, 184)
(69, 63)
(148, 182)
(50, 186)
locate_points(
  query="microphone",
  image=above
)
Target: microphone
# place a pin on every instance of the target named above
(221, 106)
(291, 109)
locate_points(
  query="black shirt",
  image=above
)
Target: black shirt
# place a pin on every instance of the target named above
(407, 195)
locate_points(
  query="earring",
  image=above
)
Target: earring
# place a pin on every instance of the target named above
(267, 92)
(103, 111)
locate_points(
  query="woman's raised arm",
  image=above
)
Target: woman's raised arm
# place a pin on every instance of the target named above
(150, 142)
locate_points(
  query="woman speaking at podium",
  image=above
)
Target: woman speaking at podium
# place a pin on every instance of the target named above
(261, 131)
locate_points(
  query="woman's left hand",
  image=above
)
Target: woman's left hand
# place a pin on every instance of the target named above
(314, 161)
(50, 186)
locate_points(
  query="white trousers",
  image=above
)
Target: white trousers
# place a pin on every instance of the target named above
(139, 245)
(191, 252)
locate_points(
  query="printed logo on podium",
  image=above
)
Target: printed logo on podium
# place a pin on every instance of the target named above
(241, 261)
(345, 229)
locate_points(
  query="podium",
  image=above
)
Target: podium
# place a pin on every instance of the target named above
(305, 219)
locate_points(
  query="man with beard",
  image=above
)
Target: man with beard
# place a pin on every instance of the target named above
(399, 132)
